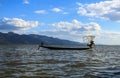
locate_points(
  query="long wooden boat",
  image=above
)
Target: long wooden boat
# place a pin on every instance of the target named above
(64, 48)
(88, 39)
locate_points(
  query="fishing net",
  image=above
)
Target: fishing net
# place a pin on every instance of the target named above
(88, 38)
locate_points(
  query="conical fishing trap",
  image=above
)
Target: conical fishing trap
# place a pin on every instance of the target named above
(87, 39)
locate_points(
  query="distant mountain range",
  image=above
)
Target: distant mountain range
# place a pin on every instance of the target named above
(13, 38)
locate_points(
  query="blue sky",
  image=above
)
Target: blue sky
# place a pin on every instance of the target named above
(65, 19)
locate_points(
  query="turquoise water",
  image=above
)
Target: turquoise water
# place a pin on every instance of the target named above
(25, 61)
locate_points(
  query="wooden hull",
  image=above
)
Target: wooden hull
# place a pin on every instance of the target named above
(63, 48)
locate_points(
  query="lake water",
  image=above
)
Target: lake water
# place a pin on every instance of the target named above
(25, 61)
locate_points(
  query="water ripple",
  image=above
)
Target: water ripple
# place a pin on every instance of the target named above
(25, 61)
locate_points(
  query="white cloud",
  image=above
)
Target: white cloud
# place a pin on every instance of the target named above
(76, 26)
(40, 12)
(59, 10)
(105, 9)
(56, 10)
(75, 30)
(16, 24)
(25, 2)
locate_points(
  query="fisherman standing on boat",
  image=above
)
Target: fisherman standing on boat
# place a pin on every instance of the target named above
(89, 40)
(91, 44)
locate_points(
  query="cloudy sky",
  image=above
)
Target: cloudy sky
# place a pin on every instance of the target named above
(65, 19)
